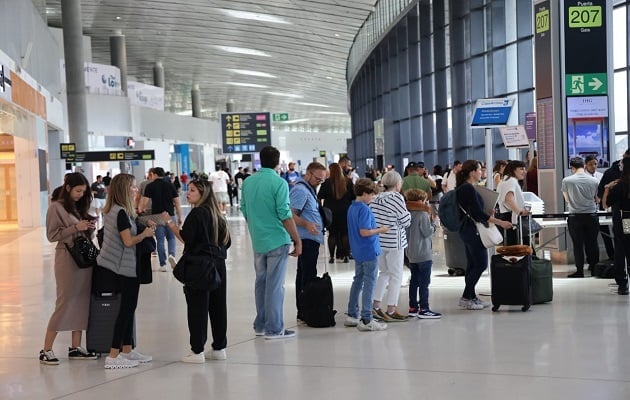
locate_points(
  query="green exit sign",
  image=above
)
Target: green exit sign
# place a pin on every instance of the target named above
(280, 117)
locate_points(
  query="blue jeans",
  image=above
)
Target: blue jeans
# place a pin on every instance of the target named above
(162, 231)
(420, 280)
(271, 268)
(365, 273)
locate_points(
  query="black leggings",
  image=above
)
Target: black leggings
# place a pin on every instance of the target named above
(338, 240)
(123, 329)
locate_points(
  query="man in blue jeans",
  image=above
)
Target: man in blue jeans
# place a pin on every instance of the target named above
(306, 215)
(164, 197)
(265, 206)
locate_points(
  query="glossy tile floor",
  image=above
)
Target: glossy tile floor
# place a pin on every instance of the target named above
(577, 347)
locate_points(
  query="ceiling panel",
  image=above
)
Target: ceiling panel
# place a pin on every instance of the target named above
(307, 54)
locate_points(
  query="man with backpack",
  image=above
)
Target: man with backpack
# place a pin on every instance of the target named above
(304, 206)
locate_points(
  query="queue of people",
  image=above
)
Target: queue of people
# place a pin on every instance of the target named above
(378, 227)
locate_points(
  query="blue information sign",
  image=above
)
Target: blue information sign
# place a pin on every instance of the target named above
(491, 113)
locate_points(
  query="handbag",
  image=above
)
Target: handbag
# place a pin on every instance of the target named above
(197, 268)
(625, 224)
(535, 226)
(83, 252)
(489, 235)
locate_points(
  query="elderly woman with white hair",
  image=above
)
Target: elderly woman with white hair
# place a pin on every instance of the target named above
(389, 210)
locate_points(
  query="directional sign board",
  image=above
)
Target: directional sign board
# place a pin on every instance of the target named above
(586, 84)
(491, 113)
(280, 117)
(67, 149)
(245, 132)
(99, 156)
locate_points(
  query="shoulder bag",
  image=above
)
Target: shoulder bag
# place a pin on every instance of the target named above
(83, 252)
(489, 235)
(196, 269)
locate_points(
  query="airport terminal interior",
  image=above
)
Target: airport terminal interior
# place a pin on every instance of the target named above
(101, 86)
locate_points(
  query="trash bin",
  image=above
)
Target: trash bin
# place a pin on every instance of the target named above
(454, 252)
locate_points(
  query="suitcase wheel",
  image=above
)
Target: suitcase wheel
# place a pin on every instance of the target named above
(451, 272)
(525, 308)
(496, 308)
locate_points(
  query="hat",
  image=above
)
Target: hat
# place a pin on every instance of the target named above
(414, 165)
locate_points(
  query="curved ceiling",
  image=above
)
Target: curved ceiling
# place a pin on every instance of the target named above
(298, 52)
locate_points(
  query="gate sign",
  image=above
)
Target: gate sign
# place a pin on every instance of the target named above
(245, 132)
(492, 113)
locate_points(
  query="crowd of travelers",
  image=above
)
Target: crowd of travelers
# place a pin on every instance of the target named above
(382, 222)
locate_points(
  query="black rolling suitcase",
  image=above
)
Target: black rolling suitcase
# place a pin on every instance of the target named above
(510, 280)
(104, 307)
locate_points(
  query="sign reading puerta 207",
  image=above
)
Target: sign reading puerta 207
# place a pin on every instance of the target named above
(245, 132)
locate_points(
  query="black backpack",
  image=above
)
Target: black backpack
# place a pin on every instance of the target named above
(317, 302)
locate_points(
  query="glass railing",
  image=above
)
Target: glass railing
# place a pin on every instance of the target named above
(375, 26)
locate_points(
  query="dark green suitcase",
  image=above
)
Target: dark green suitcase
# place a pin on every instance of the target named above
(541, 274)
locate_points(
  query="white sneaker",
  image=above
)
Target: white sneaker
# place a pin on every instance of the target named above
(351, 321)
(137, 356)
(485, 304)
(194, 358)
(163, 268)
(119, 362)
(172, 261)
(470, 304)
(218, 355)
(373, 325)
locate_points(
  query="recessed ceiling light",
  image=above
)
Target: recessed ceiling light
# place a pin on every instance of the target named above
(314, 105)
(242, 50)
(254, 85)
(329, 77)
(293, 121)
(117, 18)
(293, 96)
(251, 73)
(331, 112)
(337, 35)
(254, 16)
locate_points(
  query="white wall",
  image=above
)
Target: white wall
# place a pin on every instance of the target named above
(305, 146)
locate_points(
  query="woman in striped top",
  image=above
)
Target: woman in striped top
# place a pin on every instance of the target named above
(389, 210)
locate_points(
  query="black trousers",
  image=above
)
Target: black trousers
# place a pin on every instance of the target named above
(306, 269)
(584, 229)
(123, 329)
(622, 256)
(202, 304)
(339, 241)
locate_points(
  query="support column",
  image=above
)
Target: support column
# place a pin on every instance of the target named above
(230, 106)
(118, 55)
(158, 75)
(40, 6)
(195, 95)
(75, 78)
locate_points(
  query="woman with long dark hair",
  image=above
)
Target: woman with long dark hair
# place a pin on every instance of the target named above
(617, 196)
(205, 222)
(118, 255)
(337, 192)
(511, 202)
(67, 218)
(476, 254)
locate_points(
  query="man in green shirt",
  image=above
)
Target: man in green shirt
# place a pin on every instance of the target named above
(416, 179)
(265, 206)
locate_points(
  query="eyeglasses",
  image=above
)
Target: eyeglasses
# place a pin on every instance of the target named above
(320, 180)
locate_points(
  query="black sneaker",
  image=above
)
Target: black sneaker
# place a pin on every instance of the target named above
(79, 353)
(48, 357)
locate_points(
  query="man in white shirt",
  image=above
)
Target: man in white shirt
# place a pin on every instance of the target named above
(451, 180)
(220, 180)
